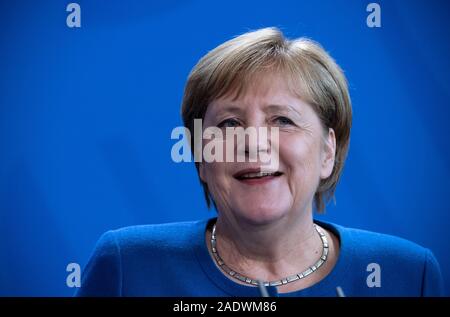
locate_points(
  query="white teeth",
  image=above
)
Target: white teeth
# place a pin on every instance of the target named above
(259, 174)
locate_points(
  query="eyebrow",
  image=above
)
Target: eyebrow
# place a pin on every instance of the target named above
(230, 108)
(289, 108)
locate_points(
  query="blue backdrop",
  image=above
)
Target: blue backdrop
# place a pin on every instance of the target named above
(86, 115)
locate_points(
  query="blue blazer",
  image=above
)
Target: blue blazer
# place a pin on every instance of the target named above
(173, 260)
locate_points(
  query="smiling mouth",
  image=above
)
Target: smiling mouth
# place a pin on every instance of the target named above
(255, 175)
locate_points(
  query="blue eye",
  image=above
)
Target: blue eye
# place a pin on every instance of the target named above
(228, 123)
(283, 121)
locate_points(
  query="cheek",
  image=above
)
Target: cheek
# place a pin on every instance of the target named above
(213, 152)
(216, 176)
(300, 156)
(219, 183)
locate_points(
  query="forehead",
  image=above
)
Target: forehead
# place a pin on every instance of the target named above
(271, 91)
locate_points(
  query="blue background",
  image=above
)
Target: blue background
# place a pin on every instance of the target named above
(86, 116)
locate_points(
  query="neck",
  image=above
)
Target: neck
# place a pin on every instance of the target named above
(253, 247)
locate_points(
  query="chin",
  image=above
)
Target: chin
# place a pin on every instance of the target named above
(261, 214)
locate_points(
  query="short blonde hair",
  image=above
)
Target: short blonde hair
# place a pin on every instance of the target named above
(312, 74)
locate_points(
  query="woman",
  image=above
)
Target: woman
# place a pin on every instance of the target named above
(264, 233)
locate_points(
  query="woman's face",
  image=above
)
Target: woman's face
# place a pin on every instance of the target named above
(306, 154)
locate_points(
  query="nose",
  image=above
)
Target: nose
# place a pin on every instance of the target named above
(253, 143)
(262, 144)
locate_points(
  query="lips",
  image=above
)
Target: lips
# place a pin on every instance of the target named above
(255, 174)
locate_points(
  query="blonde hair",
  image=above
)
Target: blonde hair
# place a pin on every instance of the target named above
(312, 74)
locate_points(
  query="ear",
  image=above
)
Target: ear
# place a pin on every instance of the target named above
(329, 154)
